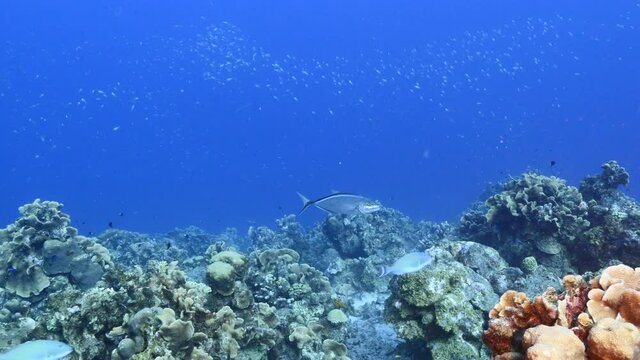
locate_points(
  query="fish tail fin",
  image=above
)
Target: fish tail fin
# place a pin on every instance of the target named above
(305, 202)
(383, 271)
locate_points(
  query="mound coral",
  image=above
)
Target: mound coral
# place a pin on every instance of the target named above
(617, 292)
(552, 342)
(602, 316)
(441, 307)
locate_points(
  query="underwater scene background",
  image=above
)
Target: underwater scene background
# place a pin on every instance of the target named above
(475, 162)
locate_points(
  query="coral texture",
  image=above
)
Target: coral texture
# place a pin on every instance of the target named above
(592, 315)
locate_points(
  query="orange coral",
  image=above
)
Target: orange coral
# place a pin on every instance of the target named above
(612, 339)
(509, 356)
(619, 294)
(515, 311)
(604, 315)
(629, 306)
(552, 343)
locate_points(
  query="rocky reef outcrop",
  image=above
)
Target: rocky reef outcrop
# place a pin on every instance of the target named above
(496, 288)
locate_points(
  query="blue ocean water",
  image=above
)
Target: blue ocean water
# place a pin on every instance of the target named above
(150, 116)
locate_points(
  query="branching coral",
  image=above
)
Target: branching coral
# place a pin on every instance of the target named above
(224, 269)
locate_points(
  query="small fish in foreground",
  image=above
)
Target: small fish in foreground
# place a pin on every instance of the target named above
(341, 203)
(407, 264)
(38, 350)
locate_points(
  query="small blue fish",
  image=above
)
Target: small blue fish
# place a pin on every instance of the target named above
(407, 264)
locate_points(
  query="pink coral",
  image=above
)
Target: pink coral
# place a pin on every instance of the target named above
(572, 303)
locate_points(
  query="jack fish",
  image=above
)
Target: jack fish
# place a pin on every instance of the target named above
(341, 203)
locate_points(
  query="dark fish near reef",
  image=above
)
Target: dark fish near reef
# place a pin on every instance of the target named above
(38, 350)
(341, 203)
(407, 264)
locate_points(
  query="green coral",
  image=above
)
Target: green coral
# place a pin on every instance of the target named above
(225, 268)
(605, 184)
(426, 287)
(246, 309)
(531, 215)
(41, 244)
(337, 317)
(441, 304)
(529, 264)
(299, 291)
(535, 205)
(455, 348)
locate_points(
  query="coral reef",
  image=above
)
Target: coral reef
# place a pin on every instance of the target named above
(441, 307)
(132, 248)
(386, 233)
(616, 293)
(566, 229)
(552, 342)
(598, 187)
(187, 245)
(534, 215)
(316, 294)
(614, 217)
(41, 256)
(288, 233)
(250, 307)
(593, 320)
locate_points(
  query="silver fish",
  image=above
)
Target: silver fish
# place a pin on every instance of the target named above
(407, 264)
(341, 203)
(38, 350)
